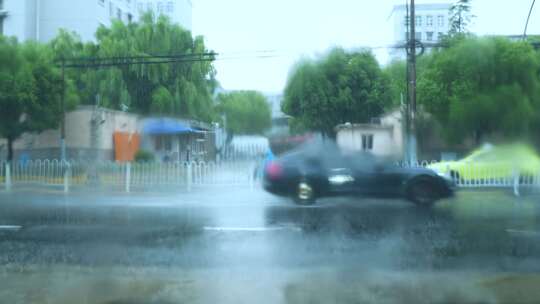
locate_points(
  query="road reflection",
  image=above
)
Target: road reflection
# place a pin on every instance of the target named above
(453, 234)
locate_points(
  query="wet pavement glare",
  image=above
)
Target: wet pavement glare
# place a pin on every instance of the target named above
(241, 245)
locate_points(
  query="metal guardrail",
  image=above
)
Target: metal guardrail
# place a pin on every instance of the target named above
(482, 176)
(125, 175)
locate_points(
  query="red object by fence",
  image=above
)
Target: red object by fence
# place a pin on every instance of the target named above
(125, 146)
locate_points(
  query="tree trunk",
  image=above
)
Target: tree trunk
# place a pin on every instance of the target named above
(10, 149)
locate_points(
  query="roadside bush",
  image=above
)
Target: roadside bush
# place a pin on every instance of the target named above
(144, 156)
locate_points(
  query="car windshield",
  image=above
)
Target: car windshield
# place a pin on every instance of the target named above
(256, 151)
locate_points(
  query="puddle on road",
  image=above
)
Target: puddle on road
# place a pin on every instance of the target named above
(62, 284)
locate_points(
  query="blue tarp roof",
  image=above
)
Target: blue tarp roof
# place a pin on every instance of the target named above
(166, 126)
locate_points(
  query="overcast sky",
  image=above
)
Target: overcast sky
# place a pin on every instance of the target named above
(243, 30)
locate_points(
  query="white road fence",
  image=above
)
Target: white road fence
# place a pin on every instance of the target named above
(474, 175)
(126, 176)
(189, 175)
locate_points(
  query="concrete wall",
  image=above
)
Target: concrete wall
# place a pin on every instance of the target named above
(395, 120)
(388, 137)
(89, 134)
(383, 142)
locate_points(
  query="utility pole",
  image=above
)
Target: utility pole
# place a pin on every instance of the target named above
(411, 68)
(63, 118)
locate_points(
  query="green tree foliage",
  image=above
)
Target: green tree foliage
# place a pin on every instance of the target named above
(180, 89)
(482, 86)
(30, 90)
(460, 17)
(104, 86)
(341, 87)
(246, 112)
(396, 73)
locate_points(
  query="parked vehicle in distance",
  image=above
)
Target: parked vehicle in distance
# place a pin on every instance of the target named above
(492, 162)
(321, 169)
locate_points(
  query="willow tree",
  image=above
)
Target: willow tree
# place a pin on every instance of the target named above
(177, 88)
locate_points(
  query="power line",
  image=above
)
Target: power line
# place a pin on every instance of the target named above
(103, 62)
(528, 18)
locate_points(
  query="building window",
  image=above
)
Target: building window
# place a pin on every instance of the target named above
(170, 7)
(367, 142)
(100, 2)
(429, 20)
(418, 35)
(160, 7)
(111, 9)
(119, 14)
(418, 21)
(429, 36)
(141, 7)
(1, 25)
(406, 22)
(440, 20)
(129, 18)
(149, 6)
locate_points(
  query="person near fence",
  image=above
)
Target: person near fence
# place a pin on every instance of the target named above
(259, 169)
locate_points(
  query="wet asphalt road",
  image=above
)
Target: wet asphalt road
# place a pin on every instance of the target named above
(236, 245)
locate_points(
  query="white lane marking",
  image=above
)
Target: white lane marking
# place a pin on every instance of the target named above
(525, 232)
(249, 229)
(10, 227)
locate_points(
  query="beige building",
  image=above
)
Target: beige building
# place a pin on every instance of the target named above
(90, 135)
(383, 138)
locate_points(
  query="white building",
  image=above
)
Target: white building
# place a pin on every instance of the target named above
(41, 20)
(179, 11)
(432, 22)
(274, 101)
(384, 138)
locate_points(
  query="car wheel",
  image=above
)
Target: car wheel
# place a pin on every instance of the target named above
(305, 194)
(423, 193)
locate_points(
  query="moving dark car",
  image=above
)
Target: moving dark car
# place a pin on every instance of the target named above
(321, 169)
